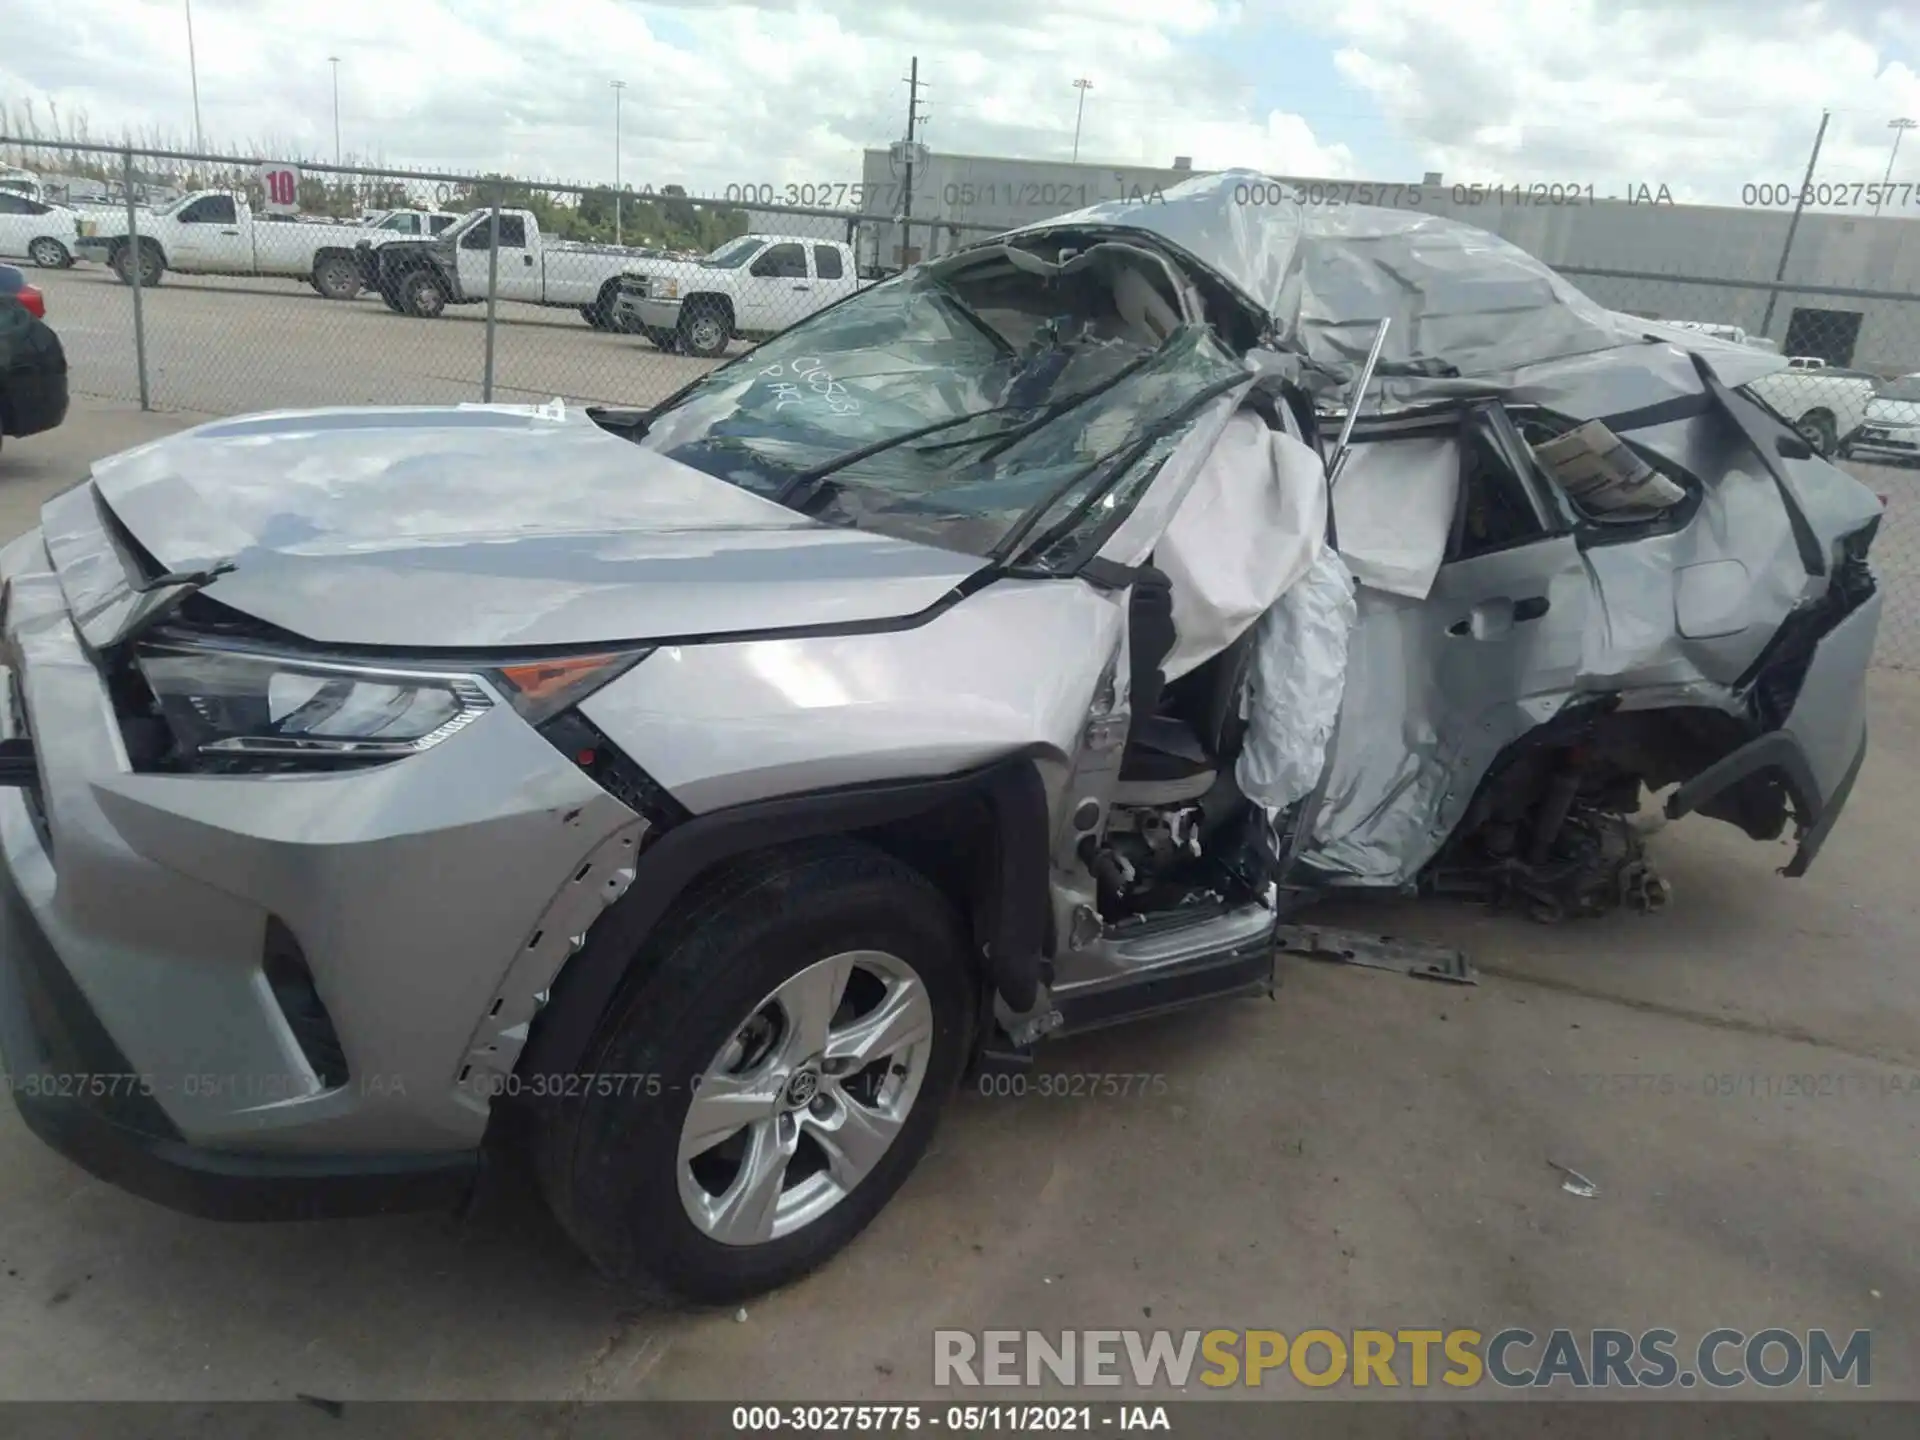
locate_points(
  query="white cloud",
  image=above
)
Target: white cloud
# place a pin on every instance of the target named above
(717, 94)
(1702, 96)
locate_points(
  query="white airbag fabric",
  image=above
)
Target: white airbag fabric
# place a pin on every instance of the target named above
(1393, 509)
(1294, 689)
(1250, 526)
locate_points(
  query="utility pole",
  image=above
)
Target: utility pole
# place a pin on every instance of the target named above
(618, 86)
(193, 74)
(1082, 86)
(1899, 128)
(913, 117)
(334, 60)
(1800, 204)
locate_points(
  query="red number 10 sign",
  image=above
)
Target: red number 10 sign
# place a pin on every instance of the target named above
(281, 183)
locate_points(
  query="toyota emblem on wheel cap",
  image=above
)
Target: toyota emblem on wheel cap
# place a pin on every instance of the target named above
(801, 1089)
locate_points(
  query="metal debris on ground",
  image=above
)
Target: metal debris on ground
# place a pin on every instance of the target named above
(1376, 952)
(1574, 1183)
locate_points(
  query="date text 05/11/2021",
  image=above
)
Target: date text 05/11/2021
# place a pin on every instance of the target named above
(973, 1419)
(1468, 195)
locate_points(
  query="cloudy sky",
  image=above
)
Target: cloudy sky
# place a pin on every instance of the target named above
(1702, 96)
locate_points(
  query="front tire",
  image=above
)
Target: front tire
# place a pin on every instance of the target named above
(49, 254)
(152, 267)
(422, 296)
(767, 1076)
(705, 328)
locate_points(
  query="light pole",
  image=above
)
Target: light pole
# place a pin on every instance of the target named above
(1899, 127)
(334, 60)
(1079, 113)
(193, 74)
(618, 86)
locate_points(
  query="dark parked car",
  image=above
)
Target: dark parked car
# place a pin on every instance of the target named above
(33, 367)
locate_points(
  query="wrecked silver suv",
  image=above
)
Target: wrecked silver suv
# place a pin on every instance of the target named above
(679, 800)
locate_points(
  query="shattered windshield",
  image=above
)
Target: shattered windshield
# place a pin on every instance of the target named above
(909, 411)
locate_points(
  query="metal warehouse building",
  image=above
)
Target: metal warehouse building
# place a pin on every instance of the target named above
(1850, 294)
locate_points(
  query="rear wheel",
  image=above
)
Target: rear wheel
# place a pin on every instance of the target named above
(49, 254)
(422, 295)
(600, 313)
(769, 1074)
(336, 277)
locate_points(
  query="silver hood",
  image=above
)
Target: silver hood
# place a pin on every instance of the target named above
(471, 526)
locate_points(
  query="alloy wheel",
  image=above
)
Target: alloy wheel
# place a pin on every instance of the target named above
(805, 1097)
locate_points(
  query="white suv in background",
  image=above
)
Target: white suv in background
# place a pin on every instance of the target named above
(45, 234)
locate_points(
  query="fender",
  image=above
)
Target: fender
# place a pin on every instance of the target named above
(1014, 915)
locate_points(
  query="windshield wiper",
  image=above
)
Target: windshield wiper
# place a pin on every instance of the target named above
(798, 490)
(1049, 412)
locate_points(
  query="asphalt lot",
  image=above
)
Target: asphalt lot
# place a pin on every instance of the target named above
(224, 346)
(1365, 1150)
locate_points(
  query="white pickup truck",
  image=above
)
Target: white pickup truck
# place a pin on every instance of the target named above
(1825, 403)
(752, 286)
(215, 232)
(423, 277)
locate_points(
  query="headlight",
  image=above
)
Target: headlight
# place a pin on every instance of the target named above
(240, 707)
(230, 710)
(667, 289)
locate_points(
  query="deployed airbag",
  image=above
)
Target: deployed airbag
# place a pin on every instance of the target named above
(1247, 529)
(1297, 678)
(1393, 508)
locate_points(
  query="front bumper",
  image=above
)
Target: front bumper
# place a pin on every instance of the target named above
(647, 314)
(1897, 446)
(78, 1093)
(432, 901)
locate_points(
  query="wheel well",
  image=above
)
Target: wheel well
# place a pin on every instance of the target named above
(710, 300)
(979, 837)
(147, 242)
(331, 252)
(1615, 754)
(1818, 412)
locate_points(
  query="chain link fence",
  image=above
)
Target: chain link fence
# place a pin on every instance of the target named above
(216, 285)
(219, 285)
